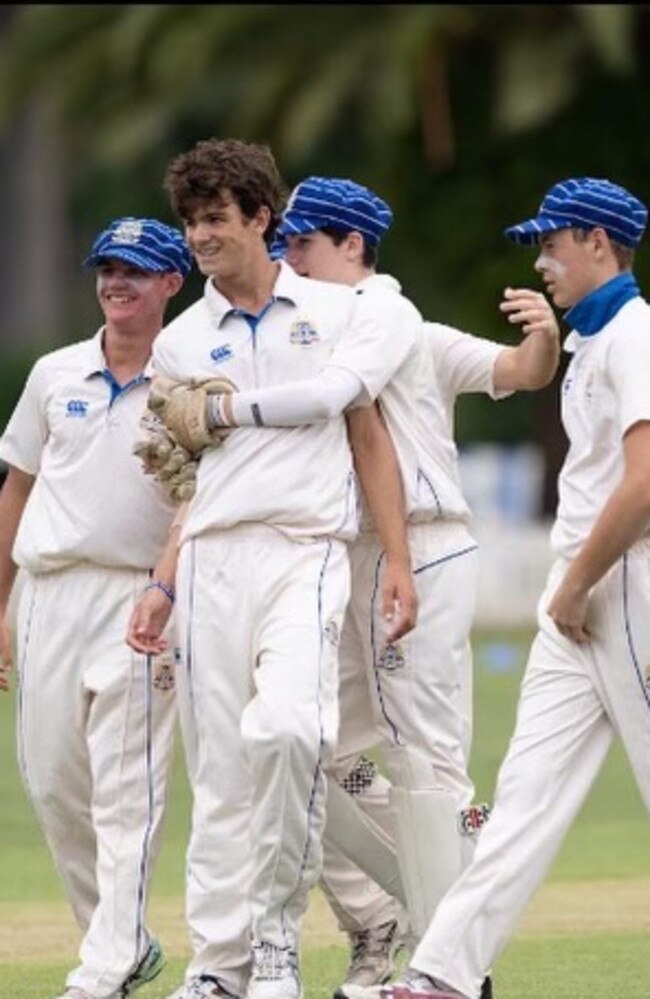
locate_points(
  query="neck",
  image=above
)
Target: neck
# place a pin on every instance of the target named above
(127, 351)
(601, 304)
(252, 287)
(363, 273)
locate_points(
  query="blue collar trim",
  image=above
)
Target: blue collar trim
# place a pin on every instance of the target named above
(596, 309)
(117, 389)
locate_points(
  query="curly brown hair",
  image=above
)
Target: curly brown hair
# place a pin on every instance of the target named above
(245, 169)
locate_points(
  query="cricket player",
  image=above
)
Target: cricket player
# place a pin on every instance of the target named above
(95, 720)
(263, 576)
(586, 679)
(414, 697)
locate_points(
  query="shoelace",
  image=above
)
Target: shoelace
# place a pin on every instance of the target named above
(273, 962)
(206, 988)
(371, 943)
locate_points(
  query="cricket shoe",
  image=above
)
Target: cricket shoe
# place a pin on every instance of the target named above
(151, 965)
(486, 988)
(203, 987)
(372, 962)
(419, 986)
(275, 973)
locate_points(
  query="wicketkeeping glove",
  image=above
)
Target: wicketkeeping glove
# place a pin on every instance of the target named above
(182, 484)
(170, 464)
(182, 407)
(154, 449)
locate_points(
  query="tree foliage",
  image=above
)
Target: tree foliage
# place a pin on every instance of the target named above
(460, 115)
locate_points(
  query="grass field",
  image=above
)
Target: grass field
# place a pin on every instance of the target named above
(585, 936)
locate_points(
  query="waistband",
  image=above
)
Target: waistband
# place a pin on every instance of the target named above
(442, 532)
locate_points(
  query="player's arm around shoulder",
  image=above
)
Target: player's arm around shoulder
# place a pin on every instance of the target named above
(533, 363)
(13, 499)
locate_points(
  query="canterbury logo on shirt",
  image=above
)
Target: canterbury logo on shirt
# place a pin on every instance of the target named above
(303, 333)
(223, 353)
(77, 407)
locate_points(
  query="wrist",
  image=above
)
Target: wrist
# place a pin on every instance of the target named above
(166, 588)
(399, 560)
(219, 411)
(575, 583)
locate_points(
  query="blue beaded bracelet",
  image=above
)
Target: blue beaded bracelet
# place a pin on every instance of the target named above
(165, 587)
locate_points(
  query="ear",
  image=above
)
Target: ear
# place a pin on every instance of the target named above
(600, 241)
(262, 218)
(354, 246)
(174, 283)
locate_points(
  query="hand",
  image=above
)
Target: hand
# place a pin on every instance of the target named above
(6, 655)
(531, 310)
(568, 611)
(148, 621)
(398, 599)
(183, 408)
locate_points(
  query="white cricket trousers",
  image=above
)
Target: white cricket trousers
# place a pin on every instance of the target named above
(95, 738)
(259, 621)
(420, 697)
(574, 699)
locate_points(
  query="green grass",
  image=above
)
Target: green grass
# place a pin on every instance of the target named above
(608, 844)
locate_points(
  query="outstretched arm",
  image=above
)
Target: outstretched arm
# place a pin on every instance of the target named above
(532, 364)
(13, 498)
(379, 474)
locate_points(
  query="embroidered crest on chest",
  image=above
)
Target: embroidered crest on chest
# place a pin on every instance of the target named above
(303, 333)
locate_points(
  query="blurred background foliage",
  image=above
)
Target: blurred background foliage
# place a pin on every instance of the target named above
(460, 115)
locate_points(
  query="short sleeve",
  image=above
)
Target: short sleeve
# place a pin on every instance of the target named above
(629, 365)
(24, 438)
(382, 332)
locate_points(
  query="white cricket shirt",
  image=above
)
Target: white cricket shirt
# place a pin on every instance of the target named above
(91, 501)
(418, 404)
(605, 390)
(299, 480)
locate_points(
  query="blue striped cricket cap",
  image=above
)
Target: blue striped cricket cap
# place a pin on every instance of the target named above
(330, 202)
(586, 203)
(147, 244)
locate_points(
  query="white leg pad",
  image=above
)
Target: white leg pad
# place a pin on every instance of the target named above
(429, 849)
(363, 841)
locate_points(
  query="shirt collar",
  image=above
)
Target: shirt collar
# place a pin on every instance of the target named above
(95, 360)
(385, 281)
(286, 288)
(592, 313)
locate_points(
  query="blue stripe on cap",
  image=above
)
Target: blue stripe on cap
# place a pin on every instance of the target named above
(586, 203)
(145, 243)
(332, 202)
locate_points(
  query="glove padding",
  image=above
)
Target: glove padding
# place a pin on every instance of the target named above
(182, 484)
(170, 464)
(182, 407)
(154, 449)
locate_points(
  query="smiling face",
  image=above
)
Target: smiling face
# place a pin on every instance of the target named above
(223, 240)
(125, 293)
